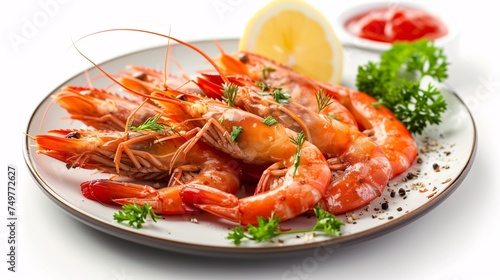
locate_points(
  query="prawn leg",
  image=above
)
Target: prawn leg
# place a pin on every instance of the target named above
(297, 191)
(365, 168)
(146, 156)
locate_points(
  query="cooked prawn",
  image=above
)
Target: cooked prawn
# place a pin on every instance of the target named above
(146, 80)
(388, 132)
(214, 123)
(293, 188)
(275, 75)
(381, 123)
(359, 166)
(102, 109)
(366, 168)
(148, 157)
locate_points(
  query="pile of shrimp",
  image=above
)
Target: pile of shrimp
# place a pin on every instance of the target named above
(188, 145)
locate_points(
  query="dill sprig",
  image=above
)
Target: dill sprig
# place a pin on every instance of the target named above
(299, 141)
(151, 124)
(229, 92)
(323, 99)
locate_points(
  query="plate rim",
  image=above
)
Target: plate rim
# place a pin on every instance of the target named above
(135, 236)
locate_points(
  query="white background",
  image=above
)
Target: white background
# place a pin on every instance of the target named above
(457, 240)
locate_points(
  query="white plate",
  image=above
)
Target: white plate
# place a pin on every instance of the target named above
(456, 140)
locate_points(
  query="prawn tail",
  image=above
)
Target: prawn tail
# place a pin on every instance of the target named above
(162, 201)
(339, 200)
(357, 190)
(211, 200)
(108, 190)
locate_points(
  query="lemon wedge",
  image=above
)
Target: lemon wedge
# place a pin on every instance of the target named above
(294, 33)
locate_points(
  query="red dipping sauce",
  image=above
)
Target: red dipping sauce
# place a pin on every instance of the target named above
(396, 23)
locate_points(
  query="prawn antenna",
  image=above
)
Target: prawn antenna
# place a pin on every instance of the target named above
(165, 63)
(131, 116)
(189, 45)
(104, 71)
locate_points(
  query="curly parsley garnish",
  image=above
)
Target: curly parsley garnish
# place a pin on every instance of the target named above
(297, 141)
(135, 214)
(396, 82)
(229, 93)
(267, 229)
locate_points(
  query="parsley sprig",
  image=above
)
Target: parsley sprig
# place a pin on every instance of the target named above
(269, 120)
(267, 229)
(235, 133)
(279, 96)
(397, 82)
(135, 214)
(266, 71)
(263, 86)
